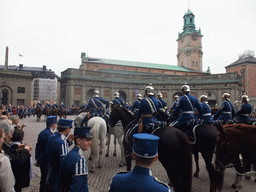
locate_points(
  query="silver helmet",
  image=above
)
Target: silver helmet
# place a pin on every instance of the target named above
(96, 93)
(203, 98)
(185, 88)
(176, 97)
(245, 97)
(139, 96)
(159, 95)
(116, 94)
(149, 90)
(226, 95)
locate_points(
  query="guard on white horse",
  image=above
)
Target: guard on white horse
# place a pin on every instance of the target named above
(99, 131)
(96, 107)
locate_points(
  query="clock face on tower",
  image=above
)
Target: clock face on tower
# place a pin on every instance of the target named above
(194, 36)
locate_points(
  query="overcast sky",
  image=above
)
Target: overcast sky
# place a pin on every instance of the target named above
(55, 32)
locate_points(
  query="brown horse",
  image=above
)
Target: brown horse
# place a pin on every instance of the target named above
(47, 113)
(174, 149)
(39, 113)
(63, 113)
(235, 140)
(54, 112)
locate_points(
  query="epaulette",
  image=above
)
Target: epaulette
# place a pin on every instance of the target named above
(163, 183)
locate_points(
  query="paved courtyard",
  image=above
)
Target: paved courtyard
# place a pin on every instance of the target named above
(99, 180)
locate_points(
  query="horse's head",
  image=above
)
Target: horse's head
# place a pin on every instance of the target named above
(118, 112)
(225, 149)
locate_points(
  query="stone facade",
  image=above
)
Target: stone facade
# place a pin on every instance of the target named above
(78, 85)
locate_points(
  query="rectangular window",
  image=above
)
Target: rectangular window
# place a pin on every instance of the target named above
(106, 93)
(77, 91)
(21, 89)
(164, 95)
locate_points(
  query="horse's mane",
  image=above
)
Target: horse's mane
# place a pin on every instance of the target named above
(123, 109)
(240, 128)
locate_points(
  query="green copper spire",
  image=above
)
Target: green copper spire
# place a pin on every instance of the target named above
(189, 21)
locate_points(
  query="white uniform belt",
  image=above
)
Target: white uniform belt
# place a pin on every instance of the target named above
(226, 112)
(207, 114)
(187, 111)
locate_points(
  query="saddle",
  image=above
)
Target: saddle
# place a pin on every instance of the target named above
(189, 130)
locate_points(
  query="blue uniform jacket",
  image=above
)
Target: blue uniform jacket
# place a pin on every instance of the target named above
(243, 113)
(138, 180)
(206, 113)
(136, 106)
(226, 111)
(39, 105)
(74, 171)
(162, 103)
(118, 101)
(42, 140)
(95, 105)
(149, 105)
(55, 106)
(187, 104)
(83, 106)
(47, 106)
(62, 106)
(57, 148)
(174, 105)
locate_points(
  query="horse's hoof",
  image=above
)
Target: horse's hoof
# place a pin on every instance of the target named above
(120, 165)
(196, 175)
(90, 158)
(234, 186)
(114, 154)
(106, 155)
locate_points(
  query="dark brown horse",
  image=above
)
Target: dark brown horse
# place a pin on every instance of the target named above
(235, 140)
(39, 113)
(63, 113)
(55, 112)
(47, 113)
(174, 149)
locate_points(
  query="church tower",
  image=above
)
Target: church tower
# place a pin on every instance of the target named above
(190, 44)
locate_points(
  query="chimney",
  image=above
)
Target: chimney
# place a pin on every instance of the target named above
(6, 58)
(20, 67)
(44, 67)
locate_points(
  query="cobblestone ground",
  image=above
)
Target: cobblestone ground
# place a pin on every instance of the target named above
(99, 180)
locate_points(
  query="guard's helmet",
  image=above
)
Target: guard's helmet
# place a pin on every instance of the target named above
(139, 96)
(159, 95)
(245, 97)
(203, 98)
(185, 88)
(61, 103)
(149, 90)
(116, 94)
(176, 97)
(226, 95)
(96, 93)
(84, 102)
(47, 102)
(38, 101)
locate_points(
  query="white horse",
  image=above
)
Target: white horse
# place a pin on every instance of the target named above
(118, 133)
(99, 131)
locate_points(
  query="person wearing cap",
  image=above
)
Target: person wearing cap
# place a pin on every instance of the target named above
(226, 110)
(144, 152)
(117, 100)
(57, 147)
(206, 110)
(136, 104)
(40, 152)
(95, 107)
(244, 111)
(147, 112)
(74, 168)
(188, 104)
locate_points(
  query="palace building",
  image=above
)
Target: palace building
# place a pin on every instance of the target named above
(131, 77)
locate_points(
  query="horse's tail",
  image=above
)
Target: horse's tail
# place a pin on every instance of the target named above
(95, 129)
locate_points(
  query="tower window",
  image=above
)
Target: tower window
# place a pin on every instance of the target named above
(196, 64)
(190, 20)
(193, 64)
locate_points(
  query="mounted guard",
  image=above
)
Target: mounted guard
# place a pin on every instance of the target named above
(118, 100)
(188, 104)
(136, 104)
(206, 110)
(96, 107)
(244, 111)
(226, 110)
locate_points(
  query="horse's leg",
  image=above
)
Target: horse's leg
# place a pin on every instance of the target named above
(102, 142)
(108, 143)
(238, 180)
(114, 154)
(197, 164)
(119, 139)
